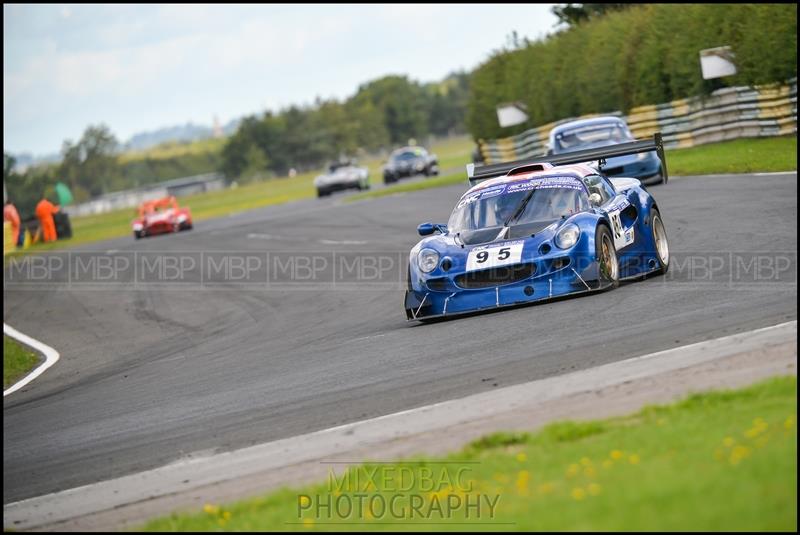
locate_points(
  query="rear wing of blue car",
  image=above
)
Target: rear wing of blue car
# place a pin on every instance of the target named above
(485, 172)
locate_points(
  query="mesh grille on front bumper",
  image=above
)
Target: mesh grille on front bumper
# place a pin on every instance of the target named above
(488, 278)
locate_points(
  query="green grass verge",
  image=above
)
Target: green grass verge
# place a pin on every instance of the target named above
(724, 460)
(737, 156)
(17, 361)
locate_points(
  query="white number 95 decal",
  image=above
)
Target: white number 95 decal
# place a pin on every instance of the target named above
(487, 257)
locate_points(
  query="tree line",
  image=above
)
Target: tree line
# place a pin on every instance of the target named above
(383, 113)
(617, 56)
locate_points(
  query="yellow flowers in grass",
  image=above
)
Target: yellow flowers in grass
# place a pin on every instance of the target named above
(594, 489)
(759, 427)
(214, 510)
(573, 470)
(521, 457)
(788, 423)
(634, 459)
(760, 434)
(616, 455)
(522, 482)
(738, 453)
(578, 493)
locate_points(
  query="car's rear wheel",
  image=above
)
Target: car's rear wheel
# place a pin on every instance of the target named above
(607, 257)
(660, 241)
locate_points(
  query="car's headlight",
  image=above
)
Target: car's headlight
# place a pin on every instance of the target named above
(181, 218)
(137, 226)
(642, 156)
(568, 236)
(427, 260)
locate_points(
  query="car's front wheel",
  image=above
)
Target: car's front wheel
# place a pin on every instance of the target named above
(607, 257)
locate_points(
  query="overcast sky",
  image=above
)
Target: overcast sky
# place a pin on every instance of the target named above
(142, 67)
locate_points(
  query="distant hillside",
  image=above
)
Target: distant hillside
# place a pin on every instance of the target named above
(141, 141)
(187, 132)
(24, 160)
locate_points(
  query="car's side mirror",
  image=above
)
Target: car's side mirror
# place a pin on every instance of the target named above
(595, 199)
(426, 229)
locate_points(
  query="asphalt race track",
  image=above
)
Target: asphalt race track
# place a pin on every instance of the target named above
(153, 373)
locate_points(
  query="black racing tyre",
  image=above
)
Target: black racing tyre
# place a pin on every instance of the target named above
(606, 257)
(137, 234)
(389, 179)
(660, 240)
(322, 193)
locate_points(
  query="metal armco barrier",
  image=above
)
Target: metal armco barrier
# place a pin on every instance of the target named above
(730, 113)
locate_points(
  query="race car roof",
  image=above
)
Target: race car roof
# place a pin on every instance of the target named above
(592, 121)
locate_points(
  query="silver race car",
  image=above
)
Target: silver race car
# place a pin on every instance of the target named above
(341, 175)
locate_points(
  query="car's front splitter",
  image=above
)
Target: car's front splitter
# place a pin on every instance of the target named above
(423, 304)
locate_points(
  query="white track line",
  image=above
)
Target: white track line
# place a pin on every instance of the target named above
(51, 357)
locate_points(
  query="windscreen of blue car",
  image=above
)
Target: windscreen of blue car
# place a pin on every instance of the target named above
(480, 216)
(590, 136)
(406, 156)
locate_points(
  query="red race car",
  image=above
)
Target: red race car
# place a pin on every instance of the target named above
(161, 216)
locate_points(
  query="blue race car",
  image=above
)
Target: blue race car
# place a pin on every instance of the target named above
(601, 132)
(529, 231)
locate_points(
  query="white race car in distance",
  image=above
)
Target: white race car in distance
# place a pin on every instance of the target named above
(344, 174)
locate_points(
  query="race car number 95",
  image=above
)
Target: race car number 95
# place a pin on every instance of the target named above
(501, 255)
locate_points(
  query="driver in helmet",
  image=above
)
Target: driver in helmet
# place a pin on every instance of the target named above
(506, 205)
